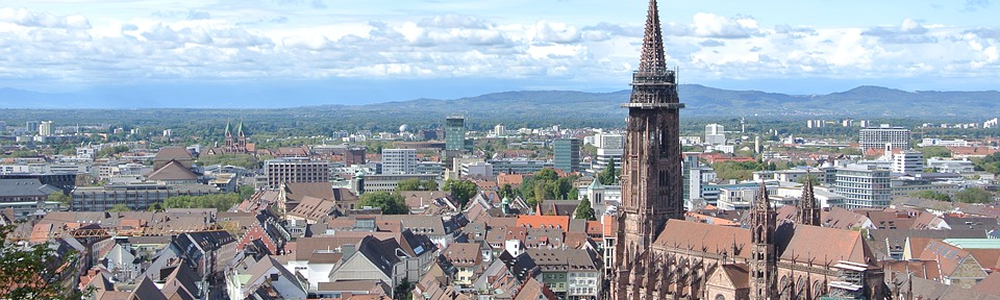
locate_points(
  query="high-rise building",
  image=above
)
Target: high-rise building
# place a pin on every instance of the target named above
(715, 134)
(696, 174)
(908, 162)
(45, 128)
(295, 170)
(610, 148)
(399, 161)
(864, 186)
(652, 189)
(31, 126)
(454, 133)
(877, 138)
(566, 154)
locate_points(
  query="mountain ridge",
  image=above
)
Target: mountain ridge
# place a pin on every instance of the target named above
(861, 101)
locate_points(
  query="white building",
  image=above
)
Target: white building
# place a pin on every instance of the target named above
(950, 165)
(45, 128)
(877, 138)
(927, 142)
(399, 161)
(864, 186)
(715, 134)
(908, 162)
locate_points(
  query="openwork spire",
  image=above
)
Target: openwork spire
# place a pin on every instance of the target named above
(652, 44)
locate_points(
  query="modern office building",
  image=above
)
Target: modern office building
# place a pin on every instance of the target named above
(518, 166)
(454, 135)
(31, 126)
(137, 196)
(878, 137)
(610, 147)
(908, 162)
(864, 186)
(566, 154)
(291, 170)
(399, 161)
(696, 174)
(715, 134)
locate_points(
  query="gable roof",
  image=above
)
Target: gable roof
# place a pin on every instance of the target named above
(146, 290)
(312, 209)
(824, 246)
(31, 187)
(173, 170)
(296, 191)
(705, 237)
(172, 153)
(949, 257)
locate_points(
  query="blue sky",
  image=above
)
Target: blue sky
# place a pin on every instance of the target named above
(298, 52)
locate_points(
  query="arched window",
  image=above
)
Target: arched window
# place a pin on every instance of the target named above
(720, 297)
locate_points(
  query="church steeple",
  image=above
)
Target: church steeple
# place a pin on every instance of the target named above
(653, 57)
(809, 210)
(652, 183)
(763, 253)
(229, 134)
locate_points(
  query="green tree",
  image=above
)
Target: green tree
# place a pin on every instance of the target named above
(974, 195)
(609, 176)
(574, 193)
(584, 211)
(156, 207)
(390, 203)
(507, 191)
(932, 195)
(59, 197)
(415, 184)
(36, 271)
(935, 151)
(119, 208)
(461, 190)
(246, 191)
(735, 170)
(546, 174)
(221, 202)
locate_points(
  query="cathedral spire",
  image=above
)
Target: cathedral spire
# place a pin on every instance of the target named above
(653, 58)
(808, 209)
(763, 262)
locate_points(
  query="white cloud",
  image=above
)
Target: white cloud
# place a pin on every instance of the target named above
(213, 44)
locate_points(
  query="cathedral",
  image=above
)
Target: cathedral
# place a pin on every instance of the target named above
(234, 143)
(659, 255)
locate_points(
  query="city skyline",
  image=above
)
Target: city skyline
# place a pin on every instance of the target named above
(340, 52)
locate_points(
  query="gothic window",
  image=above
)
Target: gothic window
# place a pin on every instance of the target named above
(720, 297)
(663, 178)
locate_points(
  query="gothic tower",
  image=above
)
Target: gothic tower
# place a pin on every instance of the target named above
(229, 135)
(763, 254)
(651, 165)
(241, 137)
(808, 208)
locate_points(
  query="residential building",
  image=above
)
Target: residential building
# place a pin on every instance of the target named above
(291, 170)
(567, 155)
(399, 161)
(877, 138)
(45, 128)
(864, 186)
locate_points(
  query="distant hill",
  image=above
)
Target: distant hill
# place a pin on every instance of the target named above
(864, 101)
(526, 107)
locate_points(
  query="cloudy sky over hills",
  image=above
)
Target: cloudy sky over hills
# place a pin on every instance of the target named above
(452, 48)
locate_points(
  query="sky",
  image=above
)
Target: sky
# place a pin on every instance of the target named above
(301, 52)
